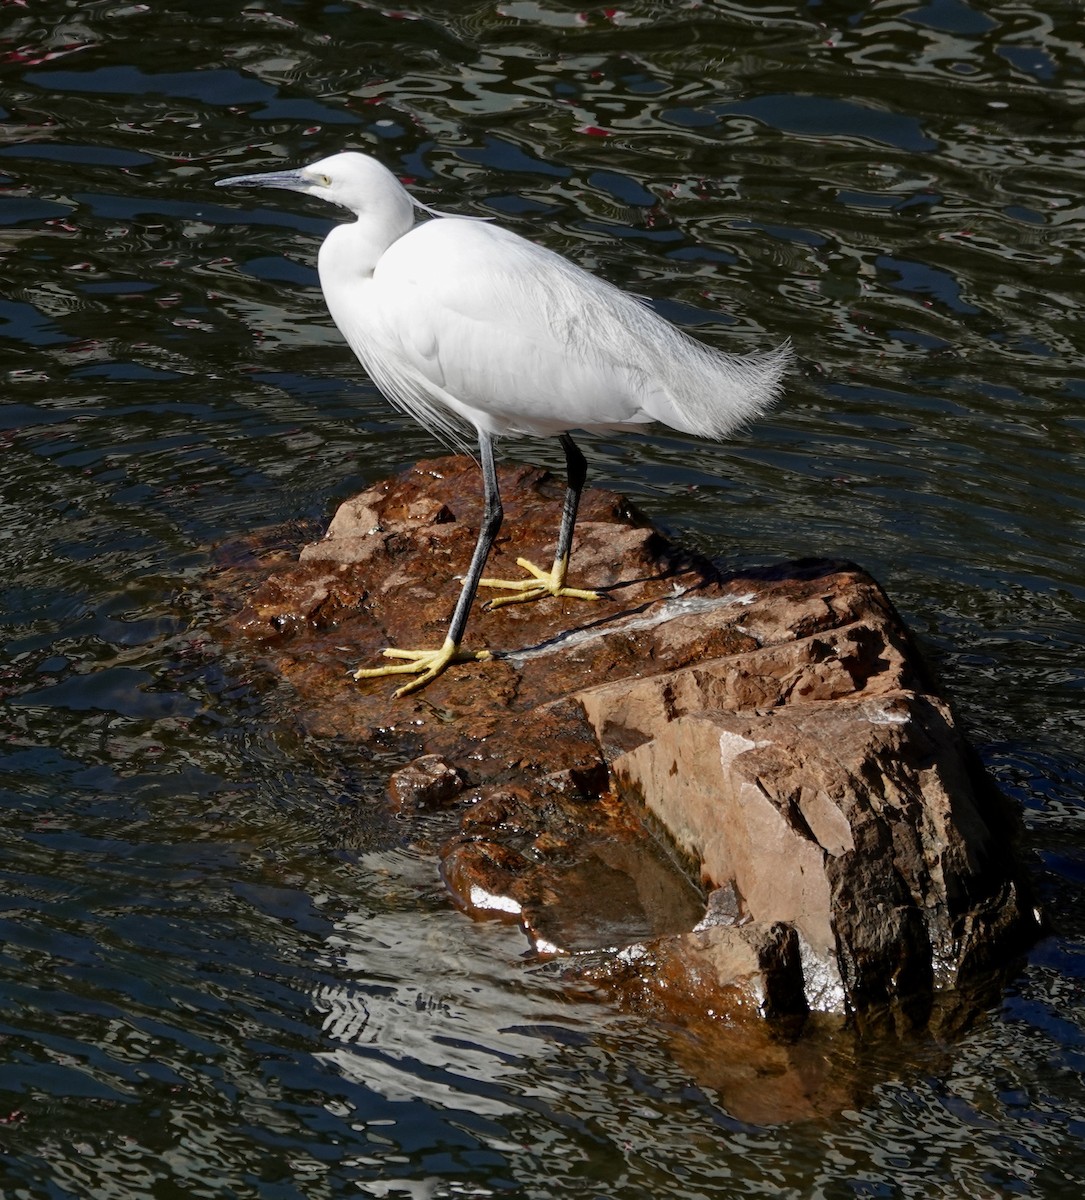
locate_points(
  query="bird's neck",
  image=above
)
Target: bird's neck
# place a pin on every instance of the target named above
(356, 247)
(346, 263)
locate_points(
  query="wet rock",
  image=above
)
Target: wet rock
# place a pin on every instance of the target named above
(483, 877)
(578, 875)
(428, 782)
(726, 796)
(854, 823)
(716, 969)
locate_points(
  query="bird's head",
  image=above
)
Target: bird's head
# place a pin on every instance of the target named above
(351, 180)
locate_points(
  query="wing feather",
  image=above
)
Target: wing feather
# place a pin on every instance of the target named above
(469, 324)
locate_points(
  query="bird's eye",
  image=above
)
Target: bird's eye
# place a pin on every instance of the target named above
(324, 180)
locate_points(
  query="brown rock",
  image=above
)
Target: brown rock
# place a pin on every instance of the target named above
(481, 877)
(578, 875)
(715, 970)
(773, 735)
(850, 821)
(428, 782)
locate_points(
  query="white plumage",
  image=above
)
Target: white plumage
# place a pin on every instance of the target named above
(464, 324)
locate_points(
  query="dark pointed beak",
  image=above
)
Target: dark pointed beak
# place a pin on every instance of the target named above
(292, 181)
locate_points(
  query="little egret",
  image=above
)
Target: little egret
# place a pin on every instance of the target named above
(459, 321)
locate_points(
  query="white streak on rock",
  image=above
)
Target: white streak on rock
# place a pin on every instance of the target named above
(492, 902)
(659, 614)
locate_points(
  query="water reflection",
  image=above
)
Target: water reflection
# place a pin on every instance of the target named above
(223, 972)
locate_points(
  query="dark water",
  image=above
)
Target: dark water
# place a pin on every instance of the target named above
(222, 974)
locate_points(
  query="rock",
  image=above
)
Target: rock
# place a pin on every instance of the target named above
(577, 875)
(724, 796)
(428, 782)
(850, 821)
(483, 877)
(729, 969)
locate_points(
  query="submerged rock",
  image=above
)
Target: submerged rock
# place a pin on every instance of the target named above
(428, 782)
(717, 794)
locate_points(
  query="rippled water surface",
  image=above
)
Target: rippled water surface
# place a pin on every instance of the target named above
(223, 973)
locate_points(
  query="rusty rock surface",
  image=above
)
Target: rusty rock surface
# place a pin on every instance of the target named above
(718, 794)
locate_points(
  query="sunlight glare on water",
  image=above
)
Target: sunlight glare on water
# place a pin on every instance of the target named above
(226, 970)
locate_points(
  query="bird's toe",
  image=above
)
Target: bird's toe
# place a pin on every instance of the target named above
(542, 583)
(426, 664)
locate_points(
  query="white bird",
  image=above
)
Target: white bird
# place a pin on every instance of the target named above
(461, 322)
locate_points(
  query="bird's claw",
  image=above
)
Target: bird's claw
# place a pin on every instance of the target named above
(543, 583)
(426, 664)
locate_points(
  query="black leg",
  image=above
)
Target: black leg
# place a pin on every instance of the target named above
(551, 583)
(428, 664)
(492, 516)
(576, 472)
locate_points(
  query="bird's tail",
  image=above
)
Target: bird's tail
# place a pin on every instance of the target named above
(713, 394)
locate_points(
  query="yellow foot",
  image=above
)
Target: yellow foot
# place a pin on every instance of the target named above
(426, 664)
(543, 583)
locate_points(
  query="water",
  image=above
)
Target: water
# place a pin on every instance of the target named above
(224, 972)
